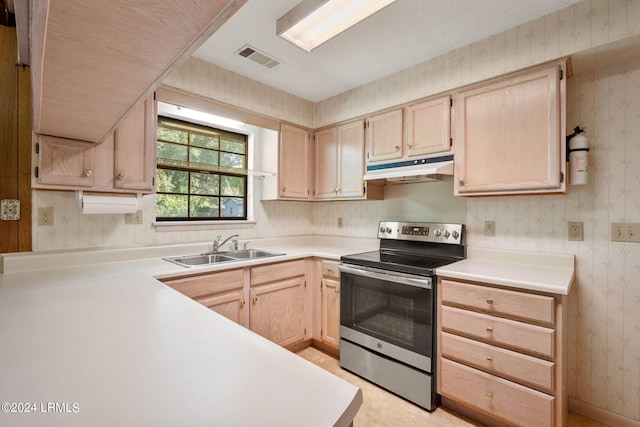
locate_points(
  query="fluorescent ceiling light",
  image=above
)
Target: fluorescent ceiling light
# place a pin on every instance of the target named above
(313, 22)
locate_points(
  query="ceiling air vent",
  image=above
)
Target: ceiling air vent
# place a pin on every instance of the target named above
(258, 57)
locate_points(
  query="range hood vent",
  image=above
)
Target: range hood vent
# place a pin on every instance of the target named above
(258, 57)
(418, 170)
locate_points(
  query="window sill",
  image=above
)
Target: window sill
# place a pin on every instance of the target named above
(201, 225)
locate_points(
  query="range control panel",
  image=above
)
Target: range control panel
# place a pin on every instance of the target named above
(422, 231)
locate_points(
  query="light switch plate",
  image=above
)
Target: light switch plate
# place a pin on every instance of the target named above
(10, 210)
(628, 232)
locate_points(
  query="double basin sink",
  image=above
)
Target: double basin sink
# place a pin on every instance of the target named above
(220, 257)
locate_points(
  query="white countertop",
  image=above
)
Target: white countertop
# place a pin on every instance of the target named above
(110, 345)
(533, 271)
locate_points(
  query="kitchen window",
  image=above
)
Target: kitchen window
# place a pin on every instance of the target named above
(201, 172)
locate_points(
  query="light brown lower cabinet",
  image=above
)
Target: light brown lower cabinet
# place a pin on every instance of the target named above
(501, 354)
(330, 306)
(278, 302)
(269, 299)
(222, 292)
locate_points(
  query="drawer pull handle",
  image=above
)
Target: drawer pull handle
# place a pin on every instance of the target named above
(489, 396)
(489, 300)
(489, 329)
(489, 359)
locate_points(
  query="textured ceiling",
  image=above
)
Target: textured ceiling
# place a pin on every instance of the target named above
(403, 34)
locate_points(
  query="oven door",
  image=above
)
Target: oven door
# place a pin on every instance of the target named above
(388, 312)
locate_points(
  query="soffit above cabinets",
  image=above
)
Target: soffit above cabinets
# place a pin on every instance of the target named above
(92, 62)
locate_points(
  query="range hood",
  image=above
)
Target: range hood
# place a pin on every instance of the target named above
(418, 170)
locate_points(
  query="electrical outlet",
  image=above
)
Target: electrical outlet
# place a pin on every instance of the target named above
(134, 218)
(340, 222)
(489, 228)
(575, 231)
(628, 232)
(45, 216)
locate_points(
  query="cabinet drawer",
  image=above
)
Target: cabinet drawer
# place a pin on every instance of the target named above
(515, 404)
(199, 286)
(520, 305)
(509, 364)
(279, 271)
(508, 333)
(330, 269)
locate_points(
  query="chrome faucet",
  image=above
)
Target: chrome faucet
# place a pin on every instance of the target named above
(217, 244)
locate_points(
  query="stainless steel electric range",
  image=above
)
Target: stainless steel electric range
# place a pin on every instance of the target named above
(388, 307)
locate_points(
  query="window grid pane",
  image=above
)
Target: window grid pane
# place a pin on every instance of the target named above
(197, 165)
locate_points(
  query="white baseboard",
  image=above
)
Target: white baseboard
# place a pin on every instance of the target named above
(601, 415)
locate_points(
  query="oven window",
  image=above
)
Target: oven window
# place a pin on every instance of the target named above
(395, 313)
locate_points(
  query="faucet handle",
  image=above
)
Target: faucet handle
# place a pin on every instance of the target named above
(245, 245)
(235, 243)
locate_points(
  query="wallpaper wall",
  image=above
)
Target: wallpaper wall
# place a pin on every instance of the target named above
(603, 96)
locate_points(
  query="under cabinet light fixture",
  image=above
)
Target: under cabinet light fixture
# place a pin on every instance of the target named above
(313, 22)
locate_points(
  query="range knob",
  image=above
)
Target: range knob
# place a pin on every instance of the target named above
(455, 234)
(382, 229)
(388, 230)
(438, 232)
(446, 234)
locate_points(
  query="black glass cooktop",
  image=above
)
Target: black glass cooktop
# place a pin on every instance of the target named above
(399, 261)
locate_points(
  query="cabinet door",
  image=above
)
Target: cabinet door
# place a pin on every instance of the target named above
(384, 136)
(510, 135)
(278, 311)
(331, 311)
(230, 305)
(428, 127)
(327, 163)
(351, 159)
(65, 161)
(135, 149)
(293, 166)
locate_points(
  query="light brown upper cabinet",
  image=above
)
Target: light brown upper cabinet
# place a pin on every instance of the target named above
(123, 163)
(94, 62)
(510, 133)
(294, 165)
(340, 163)
(428, 127)
(384, 136)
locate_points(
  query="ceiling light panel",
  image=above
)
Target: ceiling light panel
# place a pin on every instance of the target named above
(313, 22)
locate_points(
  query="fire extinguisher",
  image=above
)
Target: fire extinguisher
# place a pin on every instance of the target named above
(577, 156)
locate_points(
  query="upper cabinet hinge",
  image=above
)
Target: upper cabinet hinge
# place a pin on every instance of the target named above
(153, 181)
(561, 177)
(561, 74)
(450, 102)
(37, 171)
(305, 283)
(37, 148)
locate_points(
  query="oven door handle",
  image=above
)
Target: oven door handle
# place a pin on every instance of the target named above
(388, 276)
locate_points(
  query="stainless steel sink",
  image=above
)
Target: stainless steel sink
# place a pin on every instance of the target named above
(195, 260)
(250, 254)
(217, 258)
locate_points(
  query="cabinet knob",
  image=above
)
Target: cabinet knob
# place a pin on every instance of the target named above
(120, 176)
(336, 290)
(461, 181)
(409, 146)
(489, 300)
(397, 148)
(87, 172)
(489, 359)
(489, 396)
(489, 329)
(242, 303)
(255, 300)
(284, 188)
